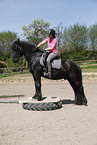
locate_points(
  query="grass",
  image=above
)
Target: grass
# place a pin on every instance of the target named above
(12, 74)
(86, 67)
(89, 70)
(8, 75)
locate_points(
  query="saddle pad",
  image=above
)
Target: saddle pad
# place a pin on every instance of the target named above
(55, 63)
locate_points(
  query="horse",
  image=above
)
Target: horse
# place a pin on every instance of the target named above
(69, 70)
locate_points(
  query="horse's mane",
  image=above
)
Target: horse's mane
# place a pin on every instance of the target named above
(29, 47)
(27, 44)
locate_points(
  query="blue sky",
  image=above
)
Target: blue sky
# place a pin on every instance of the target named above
(16, 13)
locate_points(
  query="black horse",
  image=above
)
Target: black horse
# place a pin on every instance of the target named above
(69, 70)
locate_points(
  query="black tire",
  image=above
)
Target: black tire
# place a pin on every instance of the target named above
(42, 106)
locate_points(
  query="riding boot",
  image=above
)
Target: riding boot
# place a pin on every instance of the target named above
(49, 73)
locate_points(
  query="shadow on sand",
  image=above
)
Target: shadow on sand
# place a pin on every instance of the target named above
(68, 101)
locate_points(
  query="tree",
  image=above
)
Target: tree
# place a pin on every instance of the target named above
(75, 41)
(76, 37)
(6, 39)
(93, 37)
(59, 35)
(36, 31)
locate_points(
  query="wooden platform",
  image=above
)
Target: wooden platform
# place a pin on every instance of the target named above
(46, 104)
(44, 100)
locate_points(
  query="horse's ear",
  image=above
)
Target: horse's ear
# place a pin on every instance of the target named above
(18, 40)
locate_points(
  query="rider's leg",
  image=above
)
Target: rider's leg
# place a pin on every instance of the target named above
(45, 55)
(50, 57)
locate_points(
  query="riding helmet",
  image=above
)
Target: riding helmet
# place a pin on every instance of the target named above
(52, 32)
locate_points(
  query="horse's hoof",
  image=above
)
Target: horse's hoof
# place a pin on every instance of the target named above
(36, 98)
(85, 103)
(81, 103)
(78, 102)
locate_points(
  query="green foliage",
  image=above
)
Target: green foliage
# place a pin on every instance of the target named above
(2, 65)
(93, 37)
(76, 42)
(6, 39)
(59, 35)
(79, 42)
(36, 31)
(77, 37)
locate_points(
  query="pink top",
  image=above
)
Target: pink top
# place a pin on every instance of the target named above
(50, 42)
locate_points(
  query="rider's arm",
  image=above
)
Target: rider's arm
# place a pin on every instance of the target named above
(41, 43)
(51, 48)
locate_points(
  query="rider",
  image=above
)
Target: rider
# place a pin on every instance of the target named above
(52, 50)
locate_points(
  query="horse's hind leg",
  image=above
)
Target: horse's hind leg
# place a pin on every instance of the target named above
(74, 75)
(80, 98)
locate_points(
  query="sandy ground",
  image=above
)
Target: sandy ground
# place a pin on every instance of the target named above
(70, 125)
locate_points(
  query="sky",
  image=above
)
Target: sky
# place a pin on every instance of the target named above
(14, 14)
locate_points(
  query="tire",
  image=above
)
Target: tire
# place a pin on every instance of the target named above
(42, 106)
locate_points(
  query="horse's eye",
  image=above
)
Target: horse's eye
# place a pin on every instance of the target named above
(19, 48)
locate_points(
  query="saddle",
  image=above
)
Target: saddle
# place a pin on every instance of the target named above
(56, 63)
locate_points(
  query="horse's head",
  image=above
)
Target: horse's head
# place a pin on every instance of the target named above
(17, 51)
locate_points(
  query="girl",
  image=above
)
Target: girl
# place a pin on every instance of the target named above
(52, 49)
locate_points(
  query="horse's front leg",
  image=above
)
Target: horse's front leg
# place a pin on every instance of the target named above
(37, 81)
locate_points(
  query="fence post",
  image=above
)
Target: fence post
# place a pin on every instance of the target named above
(4, 71)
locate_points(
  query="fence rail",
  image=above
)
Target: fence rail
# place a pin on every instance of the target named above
(13, 68)
(21, 68)
(87, 61)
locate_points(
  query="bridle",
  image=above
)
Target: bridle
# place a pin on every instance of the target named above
(18, 48)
